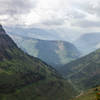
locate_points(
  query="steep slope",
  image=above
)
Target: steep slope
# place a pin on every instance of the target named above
(23, 77)
(85, 72)
(88, 43)
(54, 53)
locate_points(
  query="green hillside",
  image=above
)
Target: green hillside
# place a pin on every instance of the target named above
(23, 77)
(85, 72)
(55, 53)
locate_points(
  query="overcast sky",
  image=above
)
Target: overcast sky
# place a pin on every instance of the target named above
(66, 16)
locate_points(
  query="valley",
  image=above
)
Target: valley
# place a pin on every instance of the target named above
(82, 74)
(49, 49)
(53, 52)
(28, 74)
(23, 77)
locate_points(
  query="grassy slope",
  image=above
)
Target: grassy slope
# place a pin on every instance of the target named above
(84, 72)
(89, 95)
(23, 77)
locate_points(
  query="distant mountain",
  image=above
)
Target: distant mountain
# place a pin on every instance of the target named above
(23, 77)
(85, 72)
(55, 53)
(88, 43)
(44, 34)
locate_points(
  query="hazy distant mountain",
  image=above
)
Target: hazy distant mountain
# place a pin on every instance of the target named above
(84, 72)
(88, 42)
(44, 34)
(23, 77)
(55, 53)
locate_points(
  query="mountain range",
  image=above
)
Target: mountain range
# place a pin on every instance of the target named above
(39, 33)
(23, 77)
(53, 52)
(88, 43)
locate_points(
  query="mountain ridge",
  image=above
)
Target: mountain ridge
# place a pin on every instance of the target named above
(84, 72)
(23, 77)
(88, 43)
(55, 52)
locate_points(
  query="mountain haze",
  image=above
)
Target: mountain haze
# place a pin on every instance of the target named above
(88, 43)
(39, 33)
(55, 53)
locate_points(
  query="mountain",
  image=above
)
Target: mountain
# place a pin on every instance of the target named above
(55, 53)
(44, 34)
(88, 43)
(23, 77)
(84, 73)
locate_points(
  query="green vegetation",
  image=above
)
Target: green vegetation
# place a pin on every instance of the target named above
(23, 77)
(84, 73)
(89, 95)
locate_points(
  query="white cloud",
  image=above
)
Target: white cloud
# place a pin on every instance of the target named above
(72, 16)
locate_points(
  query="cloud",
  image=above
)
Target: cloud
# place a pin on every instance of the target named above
(72, 16)
(11, 11)
(92, 7)
(13, 7)
(87, 24)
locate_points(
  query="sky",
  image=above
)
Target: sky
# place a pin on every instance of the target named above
(67, 17)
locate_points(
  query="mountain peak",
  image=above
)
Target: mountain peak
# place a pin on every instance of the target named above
(5, 42)
(2, 31)
(0, 26)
